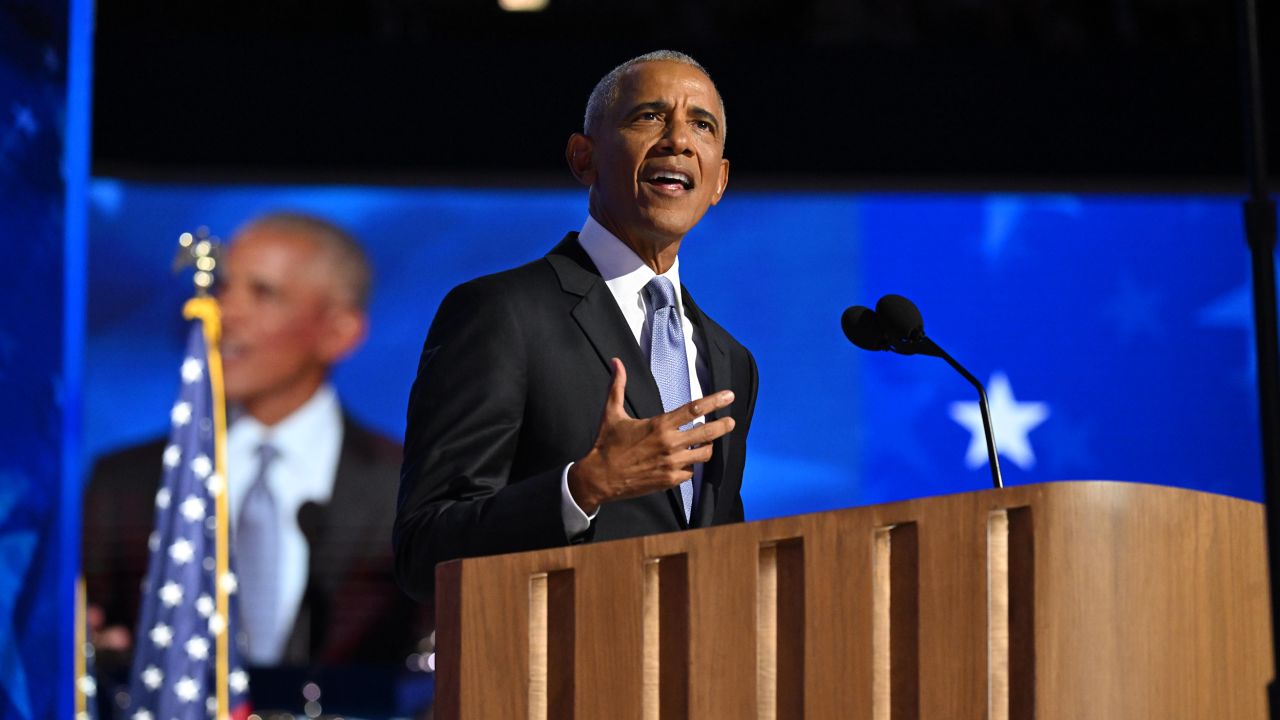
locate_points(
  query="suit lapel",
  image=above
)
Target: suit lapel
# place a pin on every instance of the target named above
(598, 316)
(717, 359)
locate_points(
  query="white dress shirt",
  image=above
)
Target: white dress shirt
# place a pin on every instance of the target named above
(626, 274)
(308, 443)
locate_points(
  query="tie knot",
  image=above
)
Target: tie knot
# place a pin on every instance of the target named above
(267, 453)
(661, 293)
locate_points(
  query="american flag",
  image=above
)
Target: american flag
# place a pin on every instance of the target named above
(175, 660)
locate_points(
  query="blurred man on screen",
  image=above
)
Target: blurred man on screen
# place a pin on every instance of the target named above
(585, 396)
(305, 480)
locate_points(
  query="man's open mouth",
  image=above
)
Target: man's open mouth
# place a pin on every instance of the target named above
(670, 179)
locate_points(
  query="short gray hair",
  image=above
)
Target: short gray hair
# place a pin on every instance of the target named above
(605, 94)
(350, 264)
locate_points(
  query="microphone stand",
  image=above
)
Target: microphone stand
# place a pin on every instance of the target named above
(925, 346)
(1260, 232)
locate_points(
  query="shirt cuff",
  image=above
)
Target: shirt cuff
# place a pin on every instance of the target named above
(575, 520)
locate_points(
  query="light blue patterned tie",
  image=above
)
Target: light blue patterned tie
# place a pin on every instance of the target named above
(668, 360)
(258, 559)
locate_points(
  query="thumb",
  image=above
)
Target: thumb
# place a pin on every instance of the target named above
(617, 389)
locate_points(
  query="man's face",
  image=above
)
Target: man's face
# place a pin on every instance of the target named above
(658, 156)
(278, 297)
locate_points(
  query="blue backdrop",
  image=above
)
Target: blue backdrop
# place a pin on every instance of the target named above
(1113, 331)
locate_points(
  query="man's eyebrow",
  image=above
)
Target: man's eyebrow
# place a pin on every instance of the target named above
(703, 114)
(652, 106)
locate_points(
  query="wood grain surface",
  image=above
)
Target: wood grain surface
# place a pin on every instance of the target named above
(1070, 600)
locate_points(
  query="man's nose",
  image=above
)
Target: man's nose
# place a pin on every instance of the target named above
(231, 305)
(677, 139)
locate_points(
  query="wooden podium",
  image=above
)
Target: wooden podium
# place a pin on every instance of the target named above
(1089, 600)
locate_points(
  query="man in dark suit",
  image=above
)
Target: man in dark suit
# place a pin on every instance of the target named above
(292, 291)
(564, 401)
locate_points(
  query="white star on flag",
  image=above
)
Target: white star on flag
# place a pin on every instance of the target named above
(192, 509)
(153, 541)
(1011, 422)
(214, 484)
(161, 635)
(162, 498)
(142, 715)
(201, 466)
(87, 685)
(187, 689)
(152, 677)
(217, 624)
(172, 456)
(238, 681)
(181, 414)
(181, 551)
(192, 370)
(171, 594)
(204, 605)
(197, 648)
(229, 583)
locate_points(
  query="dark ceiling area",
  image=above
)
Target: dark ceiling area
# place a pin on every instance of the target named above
(874, 92)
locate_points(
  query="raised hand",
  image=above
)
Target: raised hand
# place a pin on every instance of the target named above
(635, 457)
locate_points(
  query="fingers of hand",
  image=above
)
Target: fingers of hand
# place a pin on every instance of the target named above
(701, 406)
(705, 433)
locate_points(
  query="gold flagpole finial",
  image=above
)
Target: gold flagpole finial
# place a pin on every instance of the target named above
(201, 250)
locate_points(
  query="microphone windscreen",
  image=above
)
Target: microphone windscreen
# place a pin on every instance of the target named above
(900, 318)
(310, 521)
(860, 326)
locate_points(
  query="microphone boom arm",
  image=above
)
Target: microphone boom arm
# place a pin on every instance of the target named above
(925, 346)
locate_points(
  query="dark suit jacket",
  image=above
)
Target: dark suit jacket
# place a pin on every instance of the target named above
(511, 387)
(351, 610)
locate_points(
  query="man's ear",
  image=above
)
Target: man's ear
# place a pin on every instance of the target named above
(347, 328)
(580, 154)
(722, 181)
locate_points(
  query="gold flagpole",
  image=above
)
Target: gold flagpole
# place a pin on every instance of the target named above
(203, 251)
(82, 700)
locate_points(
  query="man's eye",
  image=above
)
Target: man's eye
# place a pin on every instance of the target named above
(648, 116)
(704, 126)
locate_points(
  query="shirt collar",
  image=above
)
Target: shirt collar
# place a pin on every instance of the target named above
(297, 437)
(622, 270)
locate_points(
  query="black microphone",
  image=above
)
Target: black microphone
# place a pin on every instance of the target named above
(898, 326)
(861, 328)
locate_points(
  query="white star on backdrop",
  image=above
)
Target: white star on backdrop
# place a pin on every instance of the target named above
(1011, 421)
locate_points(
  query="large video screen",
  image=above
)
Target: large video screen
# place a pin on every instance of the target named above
(1113, 332)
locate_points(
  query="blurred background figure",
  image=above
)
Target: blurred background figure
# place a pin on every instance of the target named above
(312, 492)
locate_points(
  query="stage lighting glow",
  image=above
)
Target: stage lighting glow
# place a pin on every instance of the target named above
(523, 5)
